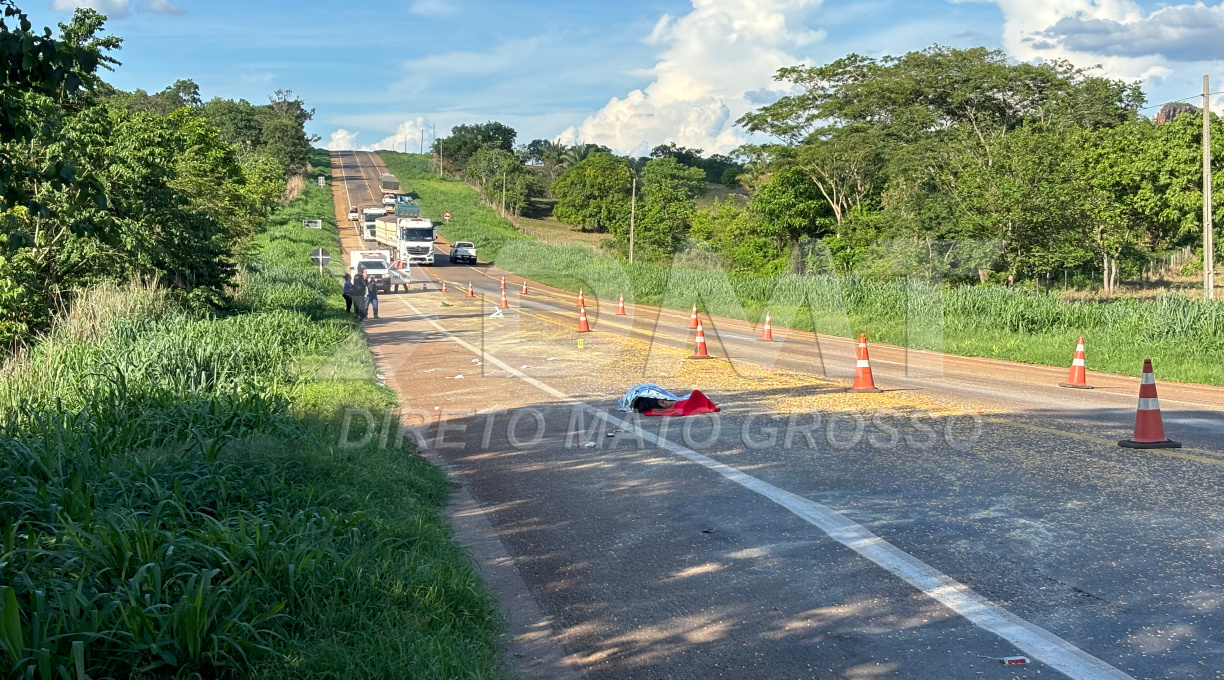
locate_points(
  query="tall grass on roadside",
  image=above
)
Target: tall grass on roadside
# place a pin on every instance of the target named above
(174, 503)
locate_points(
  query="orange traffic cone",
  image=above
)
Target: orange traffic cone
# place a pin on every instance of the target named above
(443, 286)
(581, 300)
(471, 293)
(1149, 429)
(767, 332)
(503, 287)
(863, 382)
(693, 322)
(504, 304)
(699, 346)
(583, 327)
(1078, 378)
(524, 287)
(620, 306)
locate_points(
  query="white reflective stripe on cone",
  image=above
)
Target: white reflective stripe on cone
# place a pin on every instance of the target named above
(1148, 379)
(1077, 362)
(1079, 348)
(863, 363)
(1149, 404)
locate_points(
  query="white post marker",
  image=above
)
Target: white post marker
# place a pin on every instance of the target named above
(1037, 642)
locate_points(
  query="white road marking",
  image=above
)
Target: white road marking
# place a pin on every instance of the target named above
(1035, 641)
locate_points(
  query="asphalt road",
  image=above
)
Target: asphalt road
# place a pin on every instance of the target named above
(972, 512)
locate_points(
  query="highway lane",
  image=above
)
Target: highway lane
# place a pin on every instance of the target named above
(651, 566)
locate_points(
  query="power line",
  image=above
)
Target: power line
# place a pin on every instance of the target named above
(1171, 101)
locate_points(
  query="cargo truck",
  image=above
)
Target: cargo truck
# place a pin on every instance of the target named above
(388, 183)
(411, 238)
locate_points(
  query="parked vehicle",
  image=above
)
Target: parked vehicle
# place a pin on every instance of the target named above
(463, 251)
(411, 238)
(375, 263)
(388, 183)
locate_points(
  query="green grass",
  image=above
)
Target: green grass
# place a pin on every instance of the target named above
(174, 502)
(1183, 337)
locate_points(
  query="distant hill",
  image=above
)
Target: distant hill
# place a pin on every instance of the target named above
(1174, 109)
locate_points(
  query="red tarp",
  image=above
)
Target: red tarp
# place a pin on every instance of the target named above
(696, 403)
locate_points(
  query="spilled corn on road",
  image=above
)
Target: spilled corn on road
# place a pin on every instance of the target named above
(970, 512)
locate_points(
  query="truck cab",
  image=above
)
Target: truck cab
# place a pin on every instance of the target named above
(416, 240)
(369, 224)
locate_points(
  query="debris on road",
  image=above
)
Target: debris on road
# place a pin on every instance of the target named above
(589, 445)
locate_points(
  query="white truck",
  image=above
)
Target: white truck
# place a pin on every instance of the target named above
(379, 269)
(412, 238)
(368, 222)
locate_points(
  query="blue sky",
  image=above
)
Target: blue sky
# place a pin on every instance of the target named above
(626, 74)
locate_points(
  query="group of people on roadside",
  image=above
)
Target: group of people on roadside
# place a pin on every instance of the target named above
(360, 295)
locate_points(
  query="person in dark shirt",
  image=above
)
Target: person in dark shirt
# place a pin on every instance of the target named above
(348, 293)
(359, 294)
(372, 297)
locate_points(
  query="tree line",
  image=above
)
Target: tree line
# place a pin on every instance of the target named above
(996, 170)
(101, 184)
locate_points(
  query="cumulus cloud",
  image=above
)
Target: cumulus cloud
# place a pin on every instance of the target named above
(118, 9)
(1118, 34)
(1176, 32)
(711, 69)
(341, 140)
(409, 136)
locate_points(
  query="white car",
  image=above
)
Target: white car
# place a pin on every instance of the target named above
(353, 214)
(389, 200)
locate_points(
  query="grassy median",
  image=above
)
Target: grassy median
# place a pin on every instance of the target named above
(1184, 338)
(175, 502)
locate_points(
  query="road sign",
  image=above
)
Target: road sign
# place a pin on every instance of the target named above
(322, 182)
(446, 216)
(312, 224)
(321, 257)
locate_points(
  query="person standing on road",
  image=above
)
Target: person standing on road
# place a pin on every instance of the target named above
(348, 293)
(359, 294)
(372, 297)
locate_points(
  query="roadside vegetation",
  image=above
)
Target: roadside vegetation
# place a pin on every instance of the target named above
(1015, 323)
(176, 495)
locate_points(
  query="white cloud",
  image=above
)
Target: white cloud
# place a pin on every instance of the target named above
(409, 137)
(118, 9)
(433, 8)
(1117, 34)
(341, 140)
(1177, 32)
(711, 70)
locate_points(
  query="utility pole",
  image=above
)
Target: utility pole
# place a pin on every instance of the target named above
(503, 193)
(1208, 241)
(632, 215)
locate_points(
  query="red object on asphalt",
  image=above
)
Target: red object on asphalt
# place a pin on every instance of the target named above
(504, 304)
(583, 326)
(581, 299)
(620, 306)
(524, 287)
(470, 293)
(1149, 428)
(767, 333)
(694, 404)
(693, 319)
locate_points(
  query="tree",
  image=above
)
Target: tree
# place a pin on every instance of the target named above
(594, 193)
(465, 140)
(497, 171)
(669, 190)
(793, 204)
